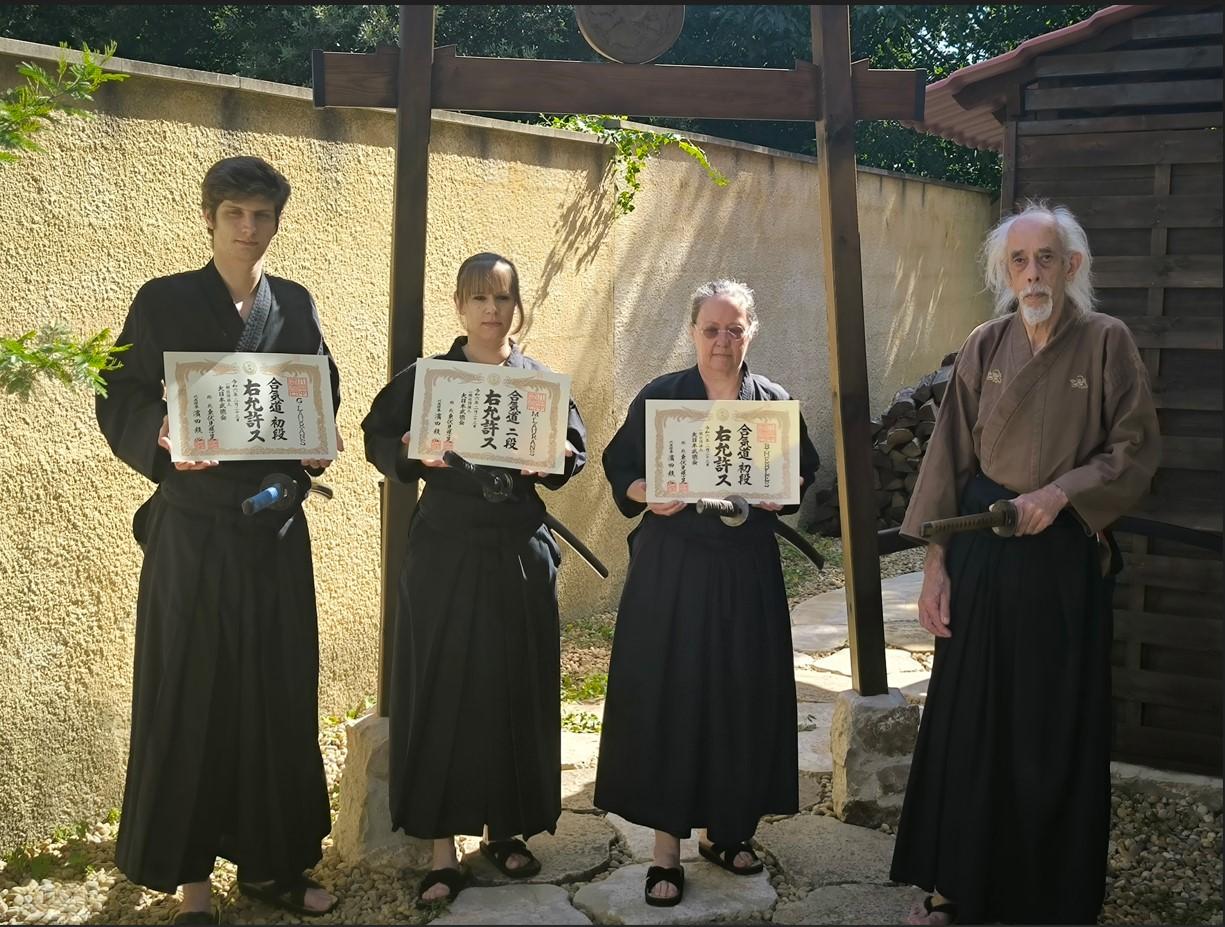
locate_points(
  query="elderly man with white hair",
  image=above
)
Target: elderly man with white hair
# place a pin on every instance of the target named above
(1007, 810)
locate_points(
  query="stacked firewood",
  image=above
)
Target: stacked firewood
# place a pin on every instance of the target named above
(899, 438)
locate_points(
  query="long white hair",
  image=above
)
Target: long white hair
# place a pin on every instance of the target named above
(1071, 238)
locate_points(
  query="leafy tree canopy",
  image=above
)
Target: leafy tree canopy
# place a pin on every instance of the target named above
(273, 42)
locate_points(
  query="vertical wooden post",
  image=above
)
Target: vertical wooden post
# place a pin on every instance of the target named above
(406, 320)
(831, 48)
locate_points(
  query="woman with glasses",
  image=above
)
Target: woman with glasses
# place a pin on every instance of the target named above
(699, 721)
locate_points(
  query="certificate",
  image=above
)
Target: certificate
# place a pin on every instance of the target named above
(704, 448)
(249, 406)
(510, 417)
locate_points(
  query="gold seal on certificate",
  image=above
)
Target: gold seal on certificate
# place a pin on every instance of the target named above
(248, 406)
(705, 448)
(510, 417)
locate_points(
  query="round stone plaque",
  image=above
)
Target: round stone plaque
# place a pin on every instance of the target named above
(630, 34)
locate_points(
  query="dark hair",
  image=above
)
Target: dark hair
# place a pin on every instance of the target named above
(240, 178)
(479, 274)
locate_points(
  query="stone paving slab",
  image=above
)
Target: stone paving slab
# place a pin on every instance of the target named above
(641, 840)
(814, 716)
(578, 789)
(819, 685)
(579, 750)
(850, 904)
(580, 849)
(819, 623)
(896, 662)
(513, 904)
(710, 893)
(815, 756)
(817, 850)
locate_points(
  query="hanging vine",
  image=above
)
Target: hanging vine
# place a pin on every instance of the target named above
(632, 148)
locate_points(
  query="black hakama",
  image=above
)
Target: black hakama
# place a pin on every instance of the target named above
(224, 756)
(699, 721)
(475, 737)
(1007, 810)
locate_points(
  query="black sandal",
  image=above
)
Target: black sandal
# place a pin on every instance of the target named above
(288, 895)
(673, 876)
(499, 851)
(724, 855)
(211, 916)
(454, 879)
(946, 907)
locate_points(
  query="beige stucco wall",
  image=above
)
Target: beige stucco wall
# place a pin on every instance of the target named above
(113, 202)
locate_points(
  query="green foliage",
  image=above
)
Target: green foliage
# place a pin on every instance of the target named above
(51, 352)
(112, 816)
(21, 865)
(274, 41)
(364, 707)
(592, 631)
(28, 108)
(632, 148)
(589, 688)
(580, 722)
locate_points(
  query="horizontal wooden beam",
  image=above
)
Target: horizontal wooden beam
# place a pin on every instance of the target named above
(1169, 630)
(1175, 270)
(1203, 25)
(516, 85)
(1140, 122)
(1196, 333)
(1121, 96)
(1144, 212)
(1195, 57)
(1118, 148)
(1188, 452)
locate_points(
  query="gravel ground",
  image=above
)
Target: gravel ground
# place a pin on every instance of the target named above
(1164, 864)
(1164, 868)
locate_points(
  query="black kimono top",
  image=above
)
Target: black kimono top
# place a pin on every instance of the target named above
(390, 415)
(193, 311)
(625, 457)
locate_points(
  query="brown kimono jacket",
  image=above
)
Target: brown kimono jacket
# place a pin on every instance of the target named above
(1079, 413)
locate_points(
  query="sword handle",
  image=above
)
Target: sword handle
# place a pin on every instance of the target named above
(1001, 518)
(733, 511)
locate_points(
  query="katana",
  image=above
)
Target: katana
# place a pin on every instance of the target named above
(734, 512)
(497, 486)
(1001, 518)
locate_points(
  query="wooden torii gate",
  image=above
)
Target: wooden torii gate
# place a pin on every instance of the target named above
(833, 93)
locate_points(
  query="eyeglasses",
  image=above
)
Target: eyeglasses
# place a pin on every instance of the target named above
(711, 332)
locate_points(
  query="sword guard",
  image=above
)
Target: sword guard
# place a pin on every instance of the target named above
(1009, 513)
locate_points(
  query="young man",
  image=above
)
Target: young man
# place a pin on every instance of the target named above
(224, 756)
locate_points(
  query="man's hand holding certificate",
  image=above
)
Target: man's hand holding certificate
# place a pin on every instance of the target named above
(717, 448)
(245, 406)
(499, 416)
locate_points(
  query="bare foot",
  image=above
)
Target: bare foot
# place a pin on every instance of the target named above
(668, 855)
(444, 858)
(197, 896)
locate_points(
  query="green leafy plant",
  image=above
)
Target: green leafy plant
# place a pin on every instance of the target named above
(26, 110)
(589, 688)
(632, 148)
(580, 722)
(30, 107)
(52, 352)
(21, 866)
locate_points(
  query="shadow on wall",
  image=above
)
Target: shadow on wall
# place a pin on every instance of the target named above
(581, 229)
